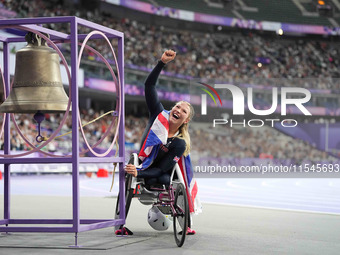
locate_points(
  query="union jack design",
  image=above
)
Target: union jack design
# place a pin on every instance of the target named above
(158, 135)
(176, 159)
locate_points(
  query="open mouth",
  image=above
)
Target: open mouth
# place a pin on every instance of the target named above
(175, 116)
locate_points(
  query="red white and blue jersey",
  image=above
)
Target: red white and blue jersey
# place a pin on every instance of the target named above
(155, 139)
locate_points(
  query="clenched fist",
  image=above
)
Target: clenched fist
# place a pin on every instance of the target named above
(167, 56)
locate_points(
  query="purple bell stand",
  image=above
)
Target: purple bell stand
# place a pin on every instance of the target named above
(77, 225)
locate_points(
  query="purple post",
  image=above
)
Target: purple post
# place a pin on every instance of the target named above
(121, 132)
(7, 142)
(75, 132)
(75, 159)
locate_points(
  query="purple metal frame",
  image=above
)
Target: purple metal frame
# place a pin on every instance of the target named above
(78, 225)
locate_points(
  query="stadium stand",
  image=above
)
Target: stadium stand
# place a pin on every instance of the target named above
(277, 11)
(229, 56)
(254, 10)
(196, 6)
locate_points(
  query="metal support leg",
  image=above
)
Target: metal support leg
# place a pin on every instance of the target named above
(75, 241)
(6, 233)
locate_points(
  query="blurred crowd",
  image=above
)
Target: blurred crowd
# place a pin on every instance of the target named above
(221, 142)
(229, 57)
(241, 58)
(93, 130)
(264, 142)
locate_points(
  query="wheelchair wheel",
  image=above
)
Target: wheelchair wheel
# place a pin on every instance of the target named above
(128, 198)
(181, 217)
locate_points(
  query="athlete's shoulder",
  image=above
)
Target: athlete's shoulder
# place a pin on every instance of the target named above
(179, 142)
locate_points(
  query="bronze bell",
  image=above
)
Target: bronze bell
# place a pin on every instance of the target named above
(37, 82)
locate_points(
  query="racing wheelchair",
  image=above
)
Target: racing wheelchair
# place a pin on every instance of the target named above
(167, 202)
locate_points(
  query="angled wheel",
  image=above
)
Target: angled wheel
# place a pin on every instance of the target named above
(181, 216)
(128, 198)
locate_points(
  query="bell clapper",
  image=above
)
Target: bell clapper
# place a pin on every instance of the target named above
(39, 117)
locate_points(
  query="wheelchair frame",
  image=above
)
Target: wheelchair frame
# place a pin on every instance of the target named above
(172, 200)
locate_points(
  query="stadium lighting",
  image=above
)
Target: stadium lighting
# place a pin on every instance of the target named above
(280, 31)
(324, 8)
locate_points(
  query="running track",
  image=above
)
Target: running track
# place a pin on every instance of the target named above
(311, 195)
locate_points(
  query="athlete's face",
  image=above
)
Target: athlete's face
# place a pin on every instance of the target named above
(180, 114)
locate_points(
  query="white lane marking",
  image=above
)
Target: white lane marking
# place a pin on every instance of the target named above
(273, 208)
(251, 201)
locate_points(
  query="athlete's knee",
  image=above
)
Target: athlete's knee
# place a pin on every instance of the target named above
(150, 181)
(164, 179)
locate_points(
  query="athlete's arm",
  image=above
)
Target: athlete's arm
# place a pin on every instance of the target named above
(151, 97)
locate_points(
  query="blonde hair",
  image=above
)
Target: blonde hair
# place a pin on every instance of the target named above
(184, 129)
